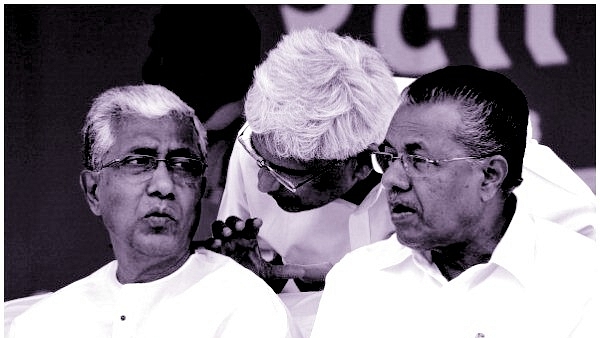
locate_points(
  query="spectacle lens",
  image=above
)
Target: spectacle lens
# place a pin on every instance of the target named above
(142, 166)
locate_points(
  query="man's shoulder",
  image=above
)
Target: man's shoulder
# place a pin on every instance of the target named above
(375, 256)
(556, 242)
(225, 271)
(67, 298)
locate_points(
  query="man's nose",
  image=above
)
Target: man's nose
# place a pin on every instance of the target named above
(161, 182)
(266, 181)
(396, 176)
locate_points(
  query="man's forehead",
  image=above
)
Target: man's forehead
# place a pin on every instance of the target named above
(165, 134)
(417, 124)
(259, 145)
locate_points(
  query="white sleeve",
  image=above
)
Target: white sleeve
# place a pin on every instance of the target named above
(234, 201)
(555, 192)
(337, 315)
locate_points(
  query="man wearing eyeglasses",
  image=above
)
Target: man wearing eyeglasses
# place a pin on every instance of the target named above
(468, 259)
(301, 166)
(301, 163)
(145, 158)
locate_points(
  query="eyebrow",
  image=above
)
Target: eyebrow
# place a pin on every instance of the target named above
(183, 152)
(408, 148)
(144, 151)
(180, 152)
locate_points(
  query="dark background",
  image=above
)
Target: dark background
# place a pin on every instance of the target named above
(58, 57)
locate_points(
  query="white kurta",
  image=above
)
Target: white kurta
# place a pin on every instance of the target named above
(542, 281)
(326, 234)
(209, 296)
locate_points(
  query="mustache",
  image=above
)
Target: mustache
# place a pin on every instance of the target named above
(161, 211)
(397, 204)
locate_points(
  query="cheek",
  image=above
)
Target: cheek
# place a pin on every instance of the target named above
(190, 200)
(437, 198)
(447, 199)
(118, 202)
(333, 182)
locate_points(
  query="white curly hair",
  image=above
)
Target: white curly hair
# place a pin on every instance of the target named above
(319, 95)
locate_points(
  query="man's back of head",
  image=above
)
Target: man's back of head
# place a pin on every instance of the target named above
(321, 96)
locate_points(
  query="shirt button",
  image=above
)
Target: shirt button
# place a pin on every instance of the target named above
(123, 317)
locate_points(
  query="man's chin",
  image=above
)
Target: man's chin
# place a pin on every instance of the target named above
(291, 205)
(292, 208)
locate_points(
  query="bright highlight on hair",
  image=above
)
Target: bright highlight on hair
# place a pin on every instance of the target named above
(321, 96)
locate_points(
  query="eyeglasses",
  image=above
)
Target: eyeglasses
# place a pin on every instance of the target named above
(290, 183)
(414, 165)
(141, 166)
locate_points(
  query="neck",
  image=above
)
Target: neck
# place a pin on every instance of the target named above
(454, 259)
(361, 189)
(147, 269)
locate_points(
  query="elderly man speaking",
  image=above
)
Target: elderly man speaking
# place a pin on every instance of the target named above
(144, 153)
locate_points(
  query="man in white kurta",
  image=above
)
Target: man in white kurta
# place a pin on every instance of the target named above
(189, 302)
(327, 233)
(468, 258)
(541, 281)
(145, 158)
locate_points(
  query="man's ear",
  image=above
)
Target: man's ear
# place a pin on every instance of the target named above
(495, 170)
(362, 171)
(363, 165)
(88, 180)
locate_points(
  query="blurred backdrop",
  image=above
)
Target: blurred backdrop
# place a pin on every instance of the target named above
(58, 57)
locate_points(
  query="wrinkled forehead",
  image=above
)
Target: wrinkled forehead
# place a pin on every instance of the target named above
(417, 122)
(162, 134)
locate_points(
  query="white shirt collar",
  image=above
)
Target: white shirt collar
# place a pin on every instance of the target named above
(515, 252)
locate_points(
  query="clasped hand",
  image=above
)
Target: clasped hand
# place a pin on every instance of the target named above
(238, 239)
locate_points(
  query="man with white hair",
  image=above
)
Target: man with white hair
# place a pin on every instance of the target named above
(299, 172)
(145, 158)
(301, 162)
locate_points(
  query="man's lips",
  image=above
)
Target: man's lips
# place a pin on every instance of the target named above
(399, 208)
(161, 211)
(159, 218)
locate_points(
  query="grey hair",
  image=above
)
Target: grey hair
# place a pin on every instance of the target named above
(111, 106)
(319, 95)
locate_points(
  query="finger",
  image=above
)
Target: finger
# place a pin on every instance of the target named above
(239, 225)
(231, 221)
(209, 244)
(216, 244)
(226, 232)
(251, 228)
(217, 228)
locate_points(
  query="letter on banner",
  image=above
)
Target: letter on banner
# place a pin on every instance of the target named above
(544, 47)
(328, 17)
(483, 38)
(403, 58)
